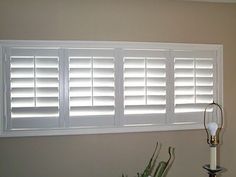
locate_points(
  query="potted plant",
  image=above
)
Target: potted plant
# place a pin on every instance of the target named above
(154, 169)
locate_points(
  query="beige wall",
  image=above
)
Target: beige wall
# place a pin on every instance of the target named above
(127, 20)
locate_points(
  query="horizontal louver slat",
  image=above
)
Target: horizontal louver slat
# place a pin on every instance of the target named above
(33, 112)
(145, 109)
(91, 110)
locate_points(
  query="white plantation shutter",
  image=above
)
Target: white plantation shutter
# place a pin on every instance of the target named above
(194, 82)
(144, 86)
(91, 87)
(100, 87)
(33, 88)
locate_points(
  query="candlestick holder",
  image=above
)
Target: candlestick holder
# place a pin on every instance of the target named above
(213, 173)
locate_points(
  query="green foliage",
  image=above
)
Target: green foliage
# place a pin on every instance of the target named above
(157, 170)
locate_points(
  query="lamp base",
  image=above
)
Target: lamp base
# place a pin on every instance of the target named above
(213, 173)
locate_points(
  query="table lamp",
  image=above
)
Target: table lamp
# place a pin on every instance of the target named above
(213, 125)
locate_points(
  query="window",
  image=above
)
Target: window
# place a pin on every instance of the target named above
(52, 87)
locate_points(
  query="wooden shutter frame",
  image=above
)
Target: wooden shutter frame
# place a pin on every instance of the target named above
(30, 122)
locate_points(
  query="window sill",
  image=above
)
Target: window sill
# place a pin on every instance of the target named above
(87, 131)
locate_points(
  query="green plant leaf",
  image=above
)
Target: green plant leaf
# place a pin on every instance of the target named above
(148, 170)
(162, 168)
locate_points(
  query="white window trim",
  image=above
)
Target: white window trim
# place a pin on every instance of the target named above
(106, 44)
(1, 93)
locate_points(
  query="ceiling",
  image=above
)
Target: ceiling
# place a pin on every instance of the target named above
(219, 1)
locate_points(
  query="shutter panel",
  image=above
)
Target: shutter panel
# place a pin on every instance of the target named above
(91, 87)
(194, 75)
(34, 87)
(144, 86)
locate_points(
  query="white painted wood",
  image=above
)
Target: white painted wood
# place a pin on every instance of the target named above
(119, 100)
(220, 75)
(102, 130)
(62, 86)
(7, 116)
(98, 60)
(66, 88)
(17, 121)
(119, 123)
(139, 65)
(1, 91)
(170, 88)
(107, 44)
(196, 56)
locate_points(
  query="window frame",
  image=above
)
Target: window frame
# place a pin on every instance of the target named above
(119, 116)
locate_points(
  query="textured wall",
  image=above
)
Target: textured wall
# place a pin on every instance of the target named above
(126, 20)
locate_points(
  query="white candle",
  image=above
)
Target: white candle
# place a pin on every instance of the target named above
(213, 161)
